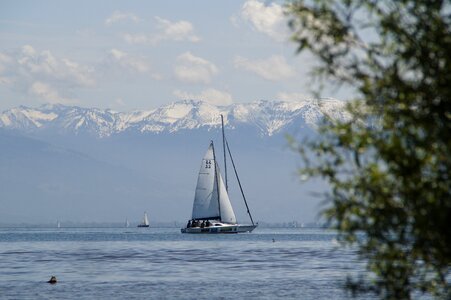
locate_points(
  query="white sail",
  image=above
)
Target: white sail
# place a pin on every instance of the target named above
(206, 205)
(145, 219)
(227, 214)
(211, 200)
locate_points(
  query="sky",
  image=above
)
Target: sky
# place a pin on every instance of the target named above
(133, 55)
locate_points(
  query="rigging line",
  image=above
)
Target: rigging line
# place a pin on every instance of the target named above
(224, 150)
(216, 179)
(239, 183)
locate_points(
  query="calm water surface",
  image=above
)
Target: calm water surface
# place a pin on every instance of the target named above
(162, 263)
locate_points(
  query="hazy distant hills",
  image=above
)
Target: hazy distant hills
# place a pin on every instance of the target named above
(41, 181)
(86, 164)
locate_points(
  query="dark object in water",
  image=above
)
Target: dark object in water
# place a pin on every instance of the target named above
(52, 280)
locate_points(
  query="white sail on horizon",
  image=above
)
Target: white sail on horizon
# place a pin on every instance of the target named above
(145, 219)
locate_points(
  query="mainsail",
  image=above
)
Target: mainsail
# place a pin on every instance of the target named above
(207, 205)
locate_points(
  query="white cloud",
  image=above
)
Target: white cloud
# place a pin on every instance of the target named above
(49, 94)
(128, 62)
(267, 19)
(81, 74)
(193, 69)
(176, 31)
(292, 97)
(28, 50)
(212, 96)
(180, 31)
(119, 16)
(5, 62)
(274, 68)
(45, 65)
(43, 74)
(138, 38)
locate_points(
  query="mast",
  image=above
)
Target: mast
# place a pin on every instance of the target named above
(239, 183)
(216, 178)
(224, 150)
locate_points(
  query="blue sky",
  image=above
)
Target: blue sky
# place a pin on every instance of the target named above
(128, 55)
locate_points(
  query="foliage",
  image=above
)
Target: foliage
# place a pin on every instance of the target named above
(389, 163)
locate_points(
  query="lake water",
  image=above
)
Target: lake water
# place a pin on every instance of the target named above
(162, 263)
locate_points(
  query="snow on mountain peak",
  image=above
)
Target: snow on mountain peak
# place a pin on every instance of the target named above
(23, 117)
(269, 117)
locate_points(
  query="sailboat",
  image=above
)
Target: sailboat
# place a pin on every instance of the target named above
(212, 210)
(145, 221)
(127, 223)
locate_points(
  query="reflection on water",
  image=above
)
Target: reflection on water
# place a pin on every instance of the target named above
(161, 263)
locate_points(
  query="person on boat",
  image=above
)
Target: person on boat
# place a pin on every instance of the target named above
(207, 224)
(189, 224)
(202, 225)
(52, 280)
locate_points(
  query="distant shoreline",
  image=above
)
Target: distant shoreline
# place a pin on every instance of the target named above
(174, 224)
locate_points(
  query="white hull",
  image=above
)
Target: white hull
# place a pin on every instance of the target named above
(224, 228)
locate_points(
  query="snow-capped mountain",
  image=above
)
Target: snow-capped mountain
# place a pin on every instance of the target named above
(268, 117)
(55, 156)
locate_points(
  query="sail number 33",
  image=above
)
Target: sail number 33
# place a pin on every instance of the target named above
(207, 164)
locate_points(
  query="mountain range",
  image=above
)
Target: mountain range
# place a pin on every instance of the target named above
(268, 117)
(94, 165)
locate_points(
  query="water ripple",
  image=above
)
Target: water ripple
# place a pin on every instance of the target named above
(164, 264)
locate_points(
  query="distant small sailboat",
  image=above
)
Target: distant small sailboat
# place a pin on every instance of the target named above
(127, 223)
(145, 221)
(212, 210)
(58, 224)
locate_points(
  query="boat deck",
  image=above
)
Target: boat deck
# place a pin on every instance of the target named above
(223, 228)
